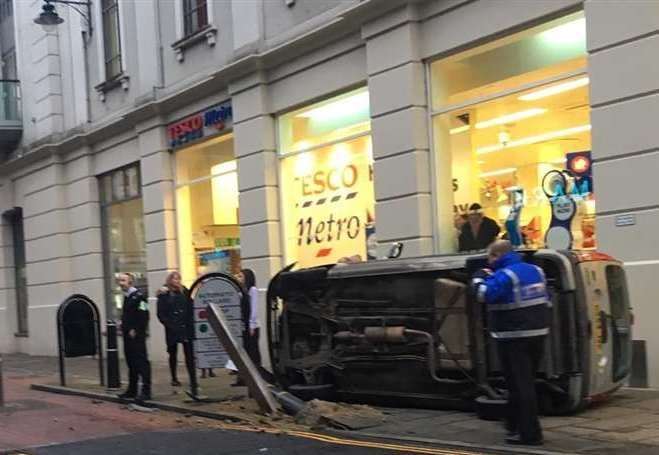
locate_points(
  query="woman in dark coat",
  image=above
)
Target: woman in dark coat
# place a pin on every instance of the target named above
(175, 312)
(250, 305)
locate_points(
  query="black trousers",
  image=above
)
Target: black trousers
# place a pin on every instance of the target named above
(188, 352)
(251, 345)
(520, 358)
(138, 364)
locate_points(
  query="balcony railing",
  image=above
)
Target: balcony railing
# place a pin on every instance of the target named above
(10, 101)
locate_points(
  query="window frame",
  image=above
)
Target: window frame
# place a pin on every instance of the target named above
(190, 10)
(106, 201)
(108, 8)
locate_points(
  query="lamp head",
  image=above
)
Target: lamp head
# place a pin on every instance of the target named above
(48, 17)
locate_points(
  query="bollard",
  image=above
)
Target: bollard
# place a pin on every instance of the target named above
(114, 379)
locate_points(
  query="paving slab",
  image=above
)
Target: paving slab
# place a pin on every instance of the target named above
(623, 424)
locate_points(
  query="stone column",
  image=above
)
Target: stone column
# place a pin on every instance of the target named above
(399, 113)
(624, 97)
(84, 218)
(158, 194)
(260, 223)
(46, 78)
(42, 195)
(254, 132)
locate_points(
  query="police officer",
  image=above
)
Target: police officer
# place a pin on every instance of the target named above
(134, 323)
(516, 297)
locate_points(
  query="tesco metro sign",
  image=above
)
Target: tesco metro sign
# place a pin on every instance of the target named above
(203, 124)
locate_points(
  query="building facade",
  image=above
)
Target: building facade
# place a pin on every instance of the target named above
(211, 135)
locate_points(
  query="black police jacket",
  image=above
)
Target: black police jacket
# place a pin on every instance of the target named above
(135, 314)
(175, 312)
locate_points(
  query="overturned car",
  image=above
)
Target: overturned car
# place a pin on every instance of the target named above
(408, 332)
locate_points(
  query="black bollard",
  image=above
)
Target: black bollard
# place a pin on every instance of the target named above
(114, 379)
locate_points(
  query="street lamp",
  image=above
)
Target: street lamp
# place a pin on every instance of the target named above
(49, 18)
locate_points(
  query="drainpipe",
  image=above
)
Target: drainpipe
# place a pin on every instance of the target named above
(161, 65)
(86, 37)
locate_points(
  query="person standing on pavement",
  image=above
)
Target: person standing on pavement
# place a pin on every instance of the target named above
(517, 301)
(175, 312)
(249, 306)
(134, 325)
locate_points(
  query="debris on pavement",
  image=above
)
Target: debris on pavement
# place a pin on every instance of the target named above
(318, 413)
(138, 408)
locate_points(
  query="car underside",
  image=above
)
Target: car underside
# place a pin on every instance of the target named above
(407, 332)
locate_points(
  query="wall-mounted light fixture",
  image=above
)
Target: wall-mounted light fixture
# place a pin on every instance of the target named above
(49, 18)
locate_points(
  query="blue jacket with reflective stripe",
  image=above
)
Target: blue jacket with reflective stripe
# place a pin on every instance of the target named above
(516, 298)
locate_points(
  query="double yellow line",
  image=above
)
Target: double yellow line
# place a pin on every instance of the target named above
(353, 442)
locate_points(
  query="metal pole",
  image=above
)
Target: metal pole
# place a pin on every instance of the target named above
(99, 346)
(194, 385)
(248, 371)
(62, 375)
(2, 389)
(114, 379)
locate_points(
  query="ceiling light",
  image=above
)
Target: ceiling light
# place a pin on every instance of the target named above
(555, 89)
(571, 32)
(304, 163)
(533, 139)
(509, 118)
(459, 129)
(504, 171)
(339, 108)
(224, 168)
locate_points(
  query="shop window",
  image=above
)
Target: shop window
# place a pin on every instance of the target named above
(327, 181)
(195, 16)
(512, 141)
(123, 231)
(207, 208)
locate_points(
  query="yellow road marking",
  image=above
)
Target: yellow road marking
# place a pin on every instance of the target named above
(352, 442)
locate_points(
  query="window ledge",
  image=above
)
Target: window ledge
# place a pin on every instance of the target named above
(207, 34)
(121, 80)
(21, 335)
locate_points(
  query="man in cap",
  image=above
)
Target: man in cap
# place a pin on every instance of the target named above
(516, 297)
(479, 231)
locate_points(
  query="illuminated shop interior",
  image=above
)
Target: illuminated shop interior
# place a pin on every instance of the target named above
(207, 208)
(505, 115)
(326, 180)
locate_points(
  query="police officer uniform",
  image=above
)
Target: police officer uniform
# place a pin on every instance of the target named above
(135, 316)
(517, 303)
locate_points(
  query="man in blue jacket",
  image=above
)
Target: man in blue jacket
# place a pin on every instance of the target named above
(515, 294)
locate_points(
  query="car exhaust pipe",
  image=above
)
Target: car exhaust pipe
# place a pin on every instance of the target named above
(399, 335)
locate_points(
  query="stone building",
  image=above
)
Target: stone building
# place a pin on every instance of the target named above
(205, 135)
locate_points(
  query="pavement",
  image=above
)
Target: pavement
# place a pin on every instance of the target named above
(627, 424)
(41, 423)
